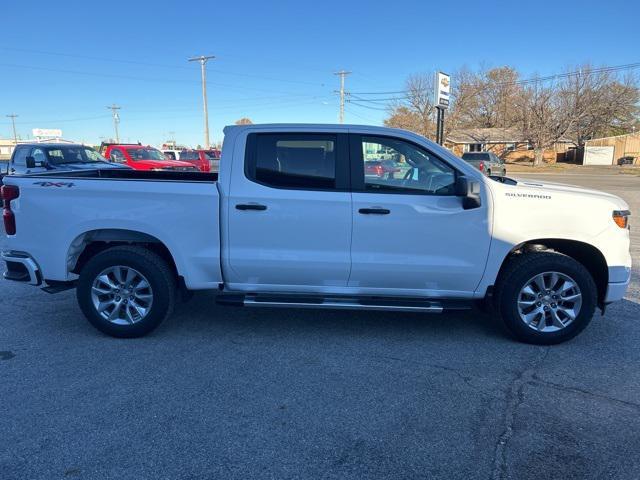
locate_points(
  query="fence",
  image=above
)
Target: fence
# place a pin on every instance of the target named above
(623, 146)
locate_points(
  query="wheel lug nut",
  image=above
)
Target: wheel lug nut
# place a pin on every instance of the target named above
(553, 305)
(539, 304)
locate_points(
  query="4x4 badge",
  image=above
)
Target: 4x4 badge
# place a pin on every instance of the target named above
(54, 184)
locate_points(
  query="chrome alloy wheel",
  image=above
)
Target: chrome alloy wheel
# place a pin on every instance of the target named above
(549, 302)
(121, 295)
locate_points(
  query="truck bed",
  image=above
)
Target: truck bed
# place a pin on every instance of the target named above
(59, 213)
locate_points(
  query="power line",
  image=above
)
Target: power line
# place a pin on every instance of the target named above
(144, 79)
(591, 71)
(162, 65)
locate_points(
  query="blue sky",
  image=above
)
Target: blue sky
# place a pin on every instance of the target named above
(62, 63)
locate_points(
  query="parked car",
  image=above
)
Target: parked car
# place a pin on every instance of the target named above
(293, 221)
(381, 168)
(141, 157)
(42, 157)
(487, 162)
(205, 160)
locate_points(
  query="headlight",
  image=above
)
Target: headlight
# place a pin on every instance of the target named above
(621, 217)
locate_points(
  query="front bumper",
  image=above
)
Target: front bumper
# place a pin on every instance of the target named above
(21, 268)
(617, 288)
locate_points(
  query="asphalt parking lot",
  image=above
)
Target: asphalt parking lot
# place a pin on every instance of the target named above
(220, 392)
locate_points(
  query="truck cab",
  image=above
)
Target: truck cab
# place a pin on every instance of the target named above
(141, 157)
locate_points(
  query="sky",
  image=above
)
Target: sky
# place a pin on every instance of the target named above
(62, 63)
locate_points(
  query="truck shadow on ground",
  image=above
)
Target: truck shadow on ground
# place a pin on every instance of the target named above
(201, 314)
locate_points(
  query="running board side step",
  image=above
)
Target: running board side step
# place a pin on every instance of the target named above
(343, 303)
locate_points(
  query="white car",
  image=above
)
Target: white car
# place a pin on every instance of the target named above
(293, 221)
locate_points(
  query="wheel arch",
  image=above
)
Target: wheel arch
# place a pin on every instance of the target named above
(86, 245)
(586, 254)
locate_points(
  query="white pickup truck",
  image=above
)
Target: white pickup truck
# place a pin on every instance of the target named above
(298, 218)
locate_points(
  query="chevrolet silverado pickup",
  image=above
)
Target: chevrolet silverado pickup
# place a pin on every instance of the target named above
(292, 220)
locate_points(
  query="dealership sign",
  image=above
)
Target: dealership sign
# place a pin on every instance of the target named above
(46, 132)
(443, 90)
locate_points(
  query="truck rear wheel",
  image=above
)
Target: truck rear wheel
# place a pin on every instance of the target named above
(126, 291)
(545, 298)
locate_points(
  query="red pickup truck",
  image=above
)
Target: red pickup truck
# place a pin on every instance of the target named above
(141, 157)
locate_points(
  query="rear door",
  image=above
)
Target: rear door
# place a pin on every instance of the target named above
(411, 235)
(289, 213)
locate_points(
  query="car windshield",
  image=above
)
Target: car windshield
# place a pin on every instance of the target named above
(73, 154)
(145, 154)
(213, 155)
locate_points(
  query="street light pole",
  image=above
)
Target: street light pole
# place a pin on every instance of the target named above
(203, 61)
(13, 123)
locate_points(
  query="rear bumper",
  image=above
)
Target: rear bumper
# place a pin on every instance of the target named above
(21, 268)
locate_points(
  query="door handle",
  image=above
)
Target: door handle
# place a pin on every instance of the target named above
(250, 206)
(374, 211)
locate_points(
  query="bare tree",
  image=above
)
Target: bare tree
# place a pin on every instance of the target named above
(546, 117)
(415, 110)
(601, 103)
(244, 121)
(487, 98)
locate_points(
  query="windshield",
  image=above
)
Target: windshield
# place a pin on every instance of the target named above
(212, 155)
(62, 155)
(145, 154)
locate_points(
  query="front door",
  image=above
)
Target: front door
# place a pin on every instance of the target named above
(289, 214)
(411, 235)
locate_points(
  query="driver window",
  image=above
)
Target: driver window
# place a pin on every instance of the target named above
(396, 166)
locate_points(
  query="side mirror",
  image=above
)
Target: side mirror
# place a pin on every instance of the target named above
(469, 190)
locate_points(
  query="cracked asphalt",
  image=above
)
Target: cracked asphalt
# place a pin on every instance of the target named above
(226, 393)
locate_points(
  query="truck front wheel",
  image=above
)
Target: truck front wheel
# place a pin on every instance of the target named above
(545, 298)
(126, 291)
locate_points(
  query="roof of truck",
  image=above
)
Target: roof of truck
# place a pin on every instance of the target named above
(52, 144)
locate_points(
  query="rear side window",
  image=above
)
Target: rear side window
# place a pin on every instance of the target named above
(20, 155)
(296, 161)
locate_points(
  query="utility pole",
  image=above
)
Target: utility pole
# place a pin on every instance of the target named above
(342, 74)
(13, 123)
(116, 119)
(203, 61)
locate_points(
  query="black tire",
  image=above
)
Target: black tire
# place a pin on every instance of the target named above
(519, 270)
(159, 275)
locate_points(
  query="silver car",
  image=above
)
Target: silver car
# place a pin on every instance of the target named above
(487, 162)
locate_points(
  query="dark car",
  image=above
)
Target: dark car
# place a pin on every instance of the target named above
(487, 162)
(42, 157)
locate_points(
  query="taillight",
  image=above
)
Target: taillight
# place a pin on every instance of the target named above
(481, 167)
(8, 193)
(379, 170)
